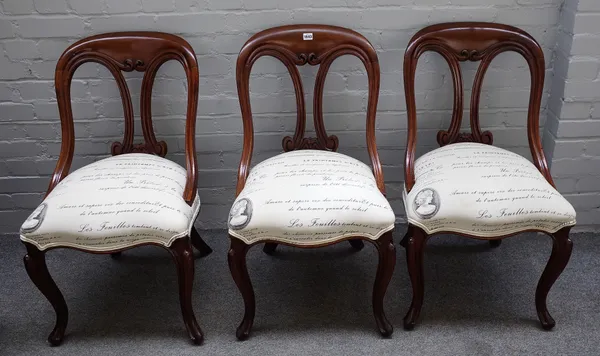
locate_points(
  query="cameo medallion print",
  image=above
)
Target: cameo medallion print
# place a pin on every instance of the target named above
(240, 214)
(427, 203)
(34, 220)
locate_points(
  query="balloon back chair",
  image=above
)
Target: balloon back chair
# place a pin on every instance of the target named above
(467, 186)
(136, 197)
(310, 195)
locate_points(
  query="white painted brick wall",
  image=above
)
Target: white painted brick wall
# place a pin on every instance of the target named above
(575, 128)
(33, 34)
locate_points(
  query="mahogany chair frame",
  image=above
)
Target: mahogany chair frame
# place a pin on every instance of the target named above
(476, 41)
(287, 44)
(127, 51)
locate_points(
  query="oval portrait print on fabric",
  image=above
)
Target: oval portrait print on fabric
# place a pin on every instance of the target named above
(34, 220)
(427, 203)
(240, 214)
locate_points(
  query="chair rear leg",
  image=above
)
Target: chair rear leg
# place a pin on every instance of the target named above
(269, 248)
(199, 243)
(357, 244)
(408, 234)
(562, 247)
(239, 271)
(495, 243)
(35, 264)
(183, 254)
(385, 269)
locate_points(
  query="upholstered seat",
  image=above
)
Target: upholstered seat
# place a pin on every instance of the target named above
(482, 190)
(117, 202)
(310, 197)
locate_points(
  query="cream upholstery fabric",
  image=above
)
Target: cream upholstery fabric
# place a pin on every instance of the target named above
(116, 202)
(310, 197)
(484, 191)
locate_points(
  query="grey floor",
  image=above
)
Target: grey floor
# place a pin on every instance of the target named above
(479, 301)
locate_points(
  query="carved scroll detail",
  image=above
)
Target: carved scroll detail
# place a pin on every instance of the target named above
(311, 143)
(469, 55)
(130, 65)
(311, 59)
(160, 148)
(127, 65)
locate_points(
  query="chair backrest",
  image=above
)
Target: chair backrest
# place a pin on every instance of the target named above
(297, 45)
(473, 41)
(125, 52)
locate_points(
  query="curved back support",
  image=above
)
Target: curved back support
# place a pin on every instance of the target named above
(129, 51)
(473, 41)
(297, 45)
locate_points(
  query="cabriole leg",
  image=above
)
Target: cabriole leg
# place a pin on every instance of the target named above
(182, 253)
(415, 248)
(385, 269)
(35, 264)
(561, 253)
(239, 272)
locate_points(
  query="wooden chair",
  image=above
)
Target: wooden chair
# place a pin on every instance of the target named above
(134, 198)
(467, 186)
(310, 195)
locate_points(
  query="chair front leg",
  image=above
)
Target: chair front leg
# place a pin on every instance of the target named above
(562, 247)
(182, 253)
(385, 269)
(415, 248)
(35, 264)
(199, 244)
(239, 271)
